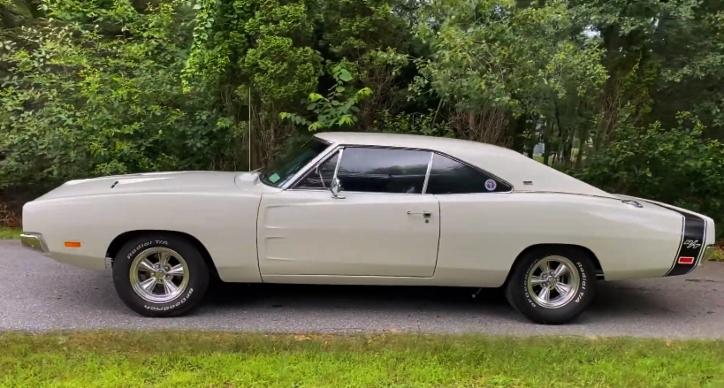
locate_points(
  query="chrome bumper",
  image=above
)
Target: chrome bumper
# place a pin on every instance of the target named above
(708, 251)
(33, 241)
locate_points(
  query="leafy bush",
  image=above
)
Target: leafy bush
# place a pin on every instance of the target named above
(416, 124)
(77, 103)
(338, 110)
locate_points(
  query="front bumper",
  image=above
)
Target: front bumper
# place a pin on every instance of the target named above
(34, 241)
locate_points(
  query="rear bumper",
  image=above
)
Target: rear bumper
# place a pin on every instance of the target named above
(708, 251)
(34, 241)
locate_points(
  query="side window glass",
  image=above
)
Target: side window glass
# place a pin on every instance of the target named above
(383, 170)
(448, 176)
(321, 177)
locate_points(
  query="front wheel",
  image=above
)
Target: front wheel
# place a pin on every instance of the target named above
(552, 284)
(158, 275)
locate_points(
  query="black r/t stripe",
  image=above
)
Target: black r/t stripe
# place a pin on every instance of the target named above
(692, 243)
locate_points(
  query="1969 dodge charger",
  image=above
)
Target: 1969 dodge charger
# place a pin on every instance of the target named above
(367, 209)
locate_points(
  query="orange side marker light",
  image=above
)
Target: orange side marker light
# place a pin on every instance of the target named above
(72, 244)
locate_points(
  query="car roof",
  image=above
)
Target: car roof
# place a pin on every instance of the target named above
(384, 139)
(524, 173)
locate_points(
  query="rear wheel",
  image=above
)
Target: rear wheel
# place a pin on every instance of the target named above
(552, 284)
(158, 275)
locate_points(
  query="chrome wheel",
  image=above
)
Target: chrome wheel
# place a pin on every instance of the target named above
(159, 275)
(553, 282)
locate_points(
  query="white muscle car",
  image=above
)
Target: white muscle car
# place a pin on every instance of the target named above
(367, 209)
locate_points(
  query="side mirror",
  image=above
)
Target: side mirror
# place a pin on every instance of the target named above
(335, 188)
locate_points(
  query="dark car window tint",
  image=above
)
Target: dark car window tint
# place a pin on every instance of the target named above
(320, 178)
(285, 167)
(382, 170)
(448, 176)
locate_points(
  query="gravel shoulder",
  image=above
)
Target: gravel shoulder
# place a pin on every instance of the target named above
(39, 294)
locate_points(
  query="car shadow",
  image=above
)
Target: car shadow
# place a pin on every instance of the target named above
(323, 297)
(613, 301)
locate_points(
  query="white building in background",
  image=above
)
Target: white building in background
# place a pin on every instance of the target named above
(539, 149)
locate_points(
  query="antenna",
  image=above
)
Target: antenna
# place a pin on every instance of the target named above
(249, 125)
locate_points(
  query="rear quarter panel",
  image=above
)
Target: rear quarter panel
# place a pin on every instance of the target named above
(223, 221)
(481, 235)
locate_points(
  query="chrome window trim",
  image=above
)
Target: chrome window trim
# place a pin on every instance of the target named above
(341, 149)
(479, 170)
(357, 192)
(336, 167)
(427, 173)
(331, 148)
(324, 156)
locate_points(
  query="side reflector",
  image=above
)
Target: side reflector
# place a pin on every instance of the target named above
(686, 260)
(72, 244)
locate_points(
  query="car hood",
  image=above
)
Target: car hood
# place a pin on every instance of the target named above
(181, 181)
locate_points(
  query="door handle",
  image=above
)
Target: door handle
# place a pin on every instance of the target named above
(424, 214)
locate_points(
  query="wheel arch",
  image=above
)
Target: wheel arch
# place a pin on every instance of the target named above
(124, 237)
(599, 269)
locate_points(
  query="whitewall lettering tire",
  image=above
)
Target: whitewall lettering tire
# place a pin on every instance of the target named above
(552, 284)
(160, 275)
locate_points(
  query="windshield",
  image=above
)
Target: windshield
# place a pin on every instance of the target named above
(285, 167)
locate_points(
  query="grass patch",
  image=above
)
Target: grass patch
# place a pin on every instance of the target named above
(9, 233)
(718, 254)
(190, 359)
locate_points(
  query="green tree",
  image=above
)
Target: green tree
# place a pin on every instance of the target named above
(496, 61)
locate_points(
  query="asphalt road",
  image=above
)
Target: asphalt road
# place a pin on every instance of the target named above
(38, 294)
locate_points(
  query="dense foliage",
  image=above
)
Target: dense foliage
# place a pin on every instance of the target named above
(627, 95)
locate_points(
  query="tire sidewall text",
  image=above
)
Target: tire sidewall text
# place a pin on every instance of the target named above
(197, 272)
(146, 245)
(517, 288)
(580, 294)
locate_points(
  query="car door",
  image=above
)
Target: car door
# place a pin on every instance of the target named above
(380, 225)
(480, 234)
